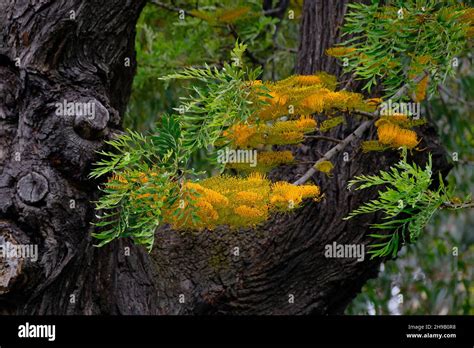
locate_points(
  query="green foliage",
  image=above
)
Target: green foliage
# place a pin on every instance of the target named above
(146, 170)
(407, 203)
(166, 43)
(222, 101)
(131, 156)
(435, 275)
(395, 42)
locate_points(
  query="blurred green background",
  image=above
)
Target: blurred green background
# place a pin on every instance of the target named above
(433, 276)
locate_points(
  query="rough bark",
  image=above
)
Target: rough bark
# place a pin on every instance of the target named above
(51, 52)
(190, 273)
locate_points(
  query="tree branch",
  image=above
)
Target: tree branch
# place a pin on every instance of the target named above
(335, 150)
(170, 7)
(454, 206)
(443, 89)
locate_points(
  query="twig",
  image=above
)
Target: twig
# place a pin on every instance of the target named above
(449, 205)
(287, 49)
(443, 89)
(274, 11)
(349, 81)
(170, 7)
(335, 150)
(369, 115)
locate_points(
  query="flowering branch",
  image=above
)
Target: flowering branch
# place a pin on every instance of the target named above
(357, 134)
(335, 150)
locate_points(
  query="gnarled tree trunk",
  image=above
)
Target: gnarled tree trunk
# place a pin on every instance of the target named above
(53, 51)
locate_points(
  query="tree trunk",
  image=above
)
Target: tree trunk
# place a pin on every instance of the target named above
(54, 52)
(45, 195)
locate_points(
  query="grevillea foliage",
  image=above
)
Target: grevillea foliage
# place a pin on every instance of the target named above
(229, 110)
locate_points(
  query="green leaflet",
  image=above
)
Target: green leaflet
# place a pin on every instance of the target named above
(406, 192)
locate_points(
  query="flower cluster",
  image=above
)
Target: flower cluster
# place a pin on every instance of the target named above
(304, 95)
(235, 201)
(277, 133)
(266, 161)
(282, 116)
(394, 131)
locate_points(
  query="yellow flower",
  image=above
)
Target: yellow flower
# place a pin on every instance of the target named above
(248, 212)
(395, 136)
(325, 166)
(309, 190)
(247, 196)
(288, 196)
(314, 103)
(420, 90)
(277, 199)
(215, 198)
(307, 80)
(373, 145)
(193, 187)
(241, 134)
(256, 177)
(406, 138)
(277, 99)
(206, 212)
(306, 124)
(285, 138)
(234, 201)
(387, 132)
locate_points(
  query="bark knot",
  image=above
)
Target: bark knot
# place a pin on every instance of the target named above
(91, 123)
(32, 188)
